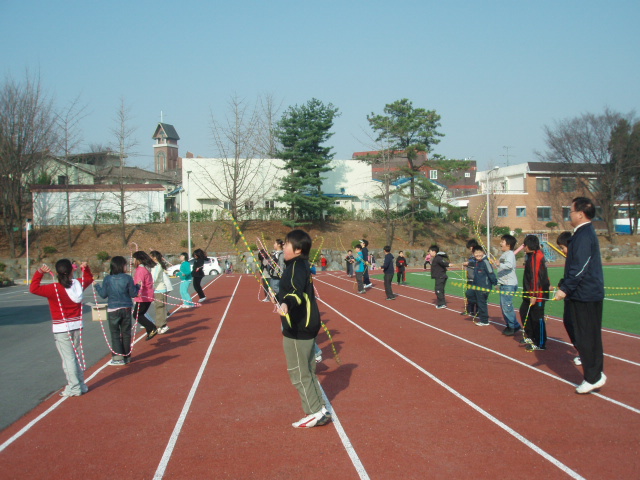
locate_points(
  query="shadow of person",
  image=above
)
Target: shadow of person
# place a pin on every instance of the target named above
(335, 381)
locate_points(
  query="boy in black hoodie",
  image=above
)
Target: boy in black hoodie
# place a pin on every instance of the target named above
(300, 325)
(439, 265)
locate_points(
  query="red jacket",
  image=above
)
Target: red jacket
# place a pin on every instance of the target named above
(65, 313)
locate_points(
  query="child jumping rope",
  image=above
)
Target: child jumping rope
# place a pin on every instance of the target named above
(65, 304)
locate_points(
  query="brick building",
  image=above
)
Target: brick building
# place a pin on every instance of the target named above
(530, 195)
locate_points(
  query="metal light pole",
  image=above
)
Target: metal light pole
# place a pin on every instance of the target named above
(489, 212)
(27, 227)
(188, 215)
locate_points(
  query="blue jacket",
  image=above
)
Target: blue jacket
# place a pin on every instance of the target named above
(483, 274)
(359, 265)
(119, 290)
(583, 278)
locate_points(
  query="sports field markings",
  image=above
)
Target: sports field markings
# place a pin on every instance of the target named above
(496, 305)
(357, 463)
(507, 357)
(461, 397)
(168, 451)
(33, 422)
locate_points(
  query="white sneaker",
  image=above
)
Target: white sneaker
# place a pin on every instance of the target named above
(318, 358)
(318, 418)
(586, 387)
(163, 329)
(577, 361)
(368, 285)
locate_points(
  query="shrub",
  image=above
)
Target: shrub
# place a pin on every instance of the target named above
(49, 250)
(2, 267)
(551, 225)
(103, 256)
(517, 232)
(499, 231)
(185, 242)
(463, 233)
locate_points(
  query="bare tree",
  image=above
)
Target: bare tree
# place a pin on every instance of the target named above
(268, 118)
(68, 123)
(124, 142)
(27, 134)
(239, 173)
(584, 140)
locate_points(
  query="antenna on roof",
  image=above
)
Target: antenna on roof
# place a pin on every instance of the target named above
(507, 154)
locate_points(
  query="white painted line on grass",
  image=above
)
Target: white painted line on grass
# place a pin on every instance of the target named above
(166, 456)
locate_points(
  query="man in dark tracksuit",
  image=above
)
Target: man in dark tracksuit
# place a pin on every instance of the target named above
(439, 265)
(387, 268)
(583, 288)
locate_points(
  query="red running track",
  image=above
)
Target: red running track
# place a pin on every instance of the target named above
(419, 393)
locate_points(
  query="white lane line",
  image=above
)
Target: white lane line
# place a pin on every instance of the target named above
(495, 352)
(168, 451)
(473, 405)
(344, 438)
(33, 422)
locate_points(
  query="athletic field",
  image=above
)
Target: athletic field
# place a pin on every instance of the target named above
(621, 301)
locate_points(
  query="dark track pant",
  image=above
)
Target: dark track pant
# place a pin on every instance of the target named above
(586, 318)
(440, 283)
(535, 328)
(388, 280)
(139, 310)
(197, 287)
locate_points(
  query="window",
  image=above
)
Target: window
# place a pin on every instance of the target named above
(269, 204)
(433, 174)
(337, 202)
(248, 205)
(503, 211)
(568, 185)
(521, 211)
(226, 205)
(63, 180)
(544, 214)
(598, 214)
(566, 214)
(594, 184)
(467, 175)
(543, 184)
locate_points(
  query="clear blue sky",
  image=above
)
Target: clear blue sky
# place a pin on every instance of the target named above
(496, 71)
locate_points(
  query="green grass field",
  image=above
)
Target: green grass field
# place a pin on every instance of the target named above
(621, 312)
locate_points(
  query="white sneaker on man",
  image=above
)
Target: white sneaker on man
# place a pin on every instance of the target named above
(586, 387)
(577, 362)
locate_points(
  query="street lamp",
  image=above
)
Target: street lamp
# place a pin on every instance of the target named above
(27, 227)
(489, 212)
(188, 215)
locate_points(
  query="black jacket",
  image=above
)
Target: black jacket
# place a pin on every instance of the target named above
(387, 266)
(439, 265)
(583, 279)
(198, 263)
(296, 291)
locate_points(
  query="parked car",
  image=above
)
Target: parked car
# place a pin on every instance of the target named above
(211, 267)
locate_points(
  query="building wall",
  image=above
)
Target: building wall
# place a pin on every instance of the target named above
(555, 199)
(50, 206)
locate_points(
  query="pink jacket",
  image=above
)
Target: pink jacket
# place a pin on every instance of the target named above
(143, 277)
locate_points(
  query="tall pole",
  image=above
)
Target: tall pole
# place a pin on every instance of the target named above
(26, 227)
(488, 218)
(188, 214)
